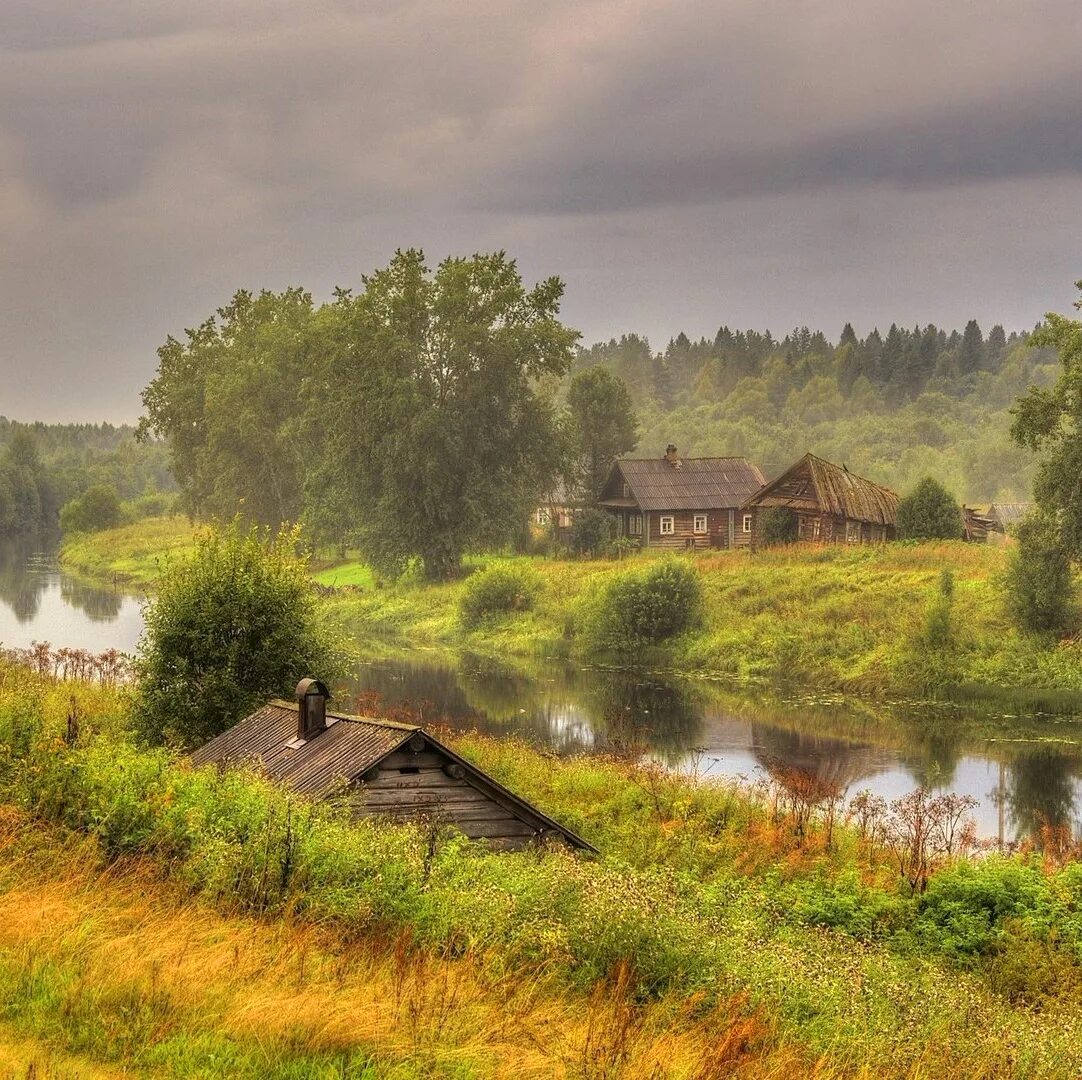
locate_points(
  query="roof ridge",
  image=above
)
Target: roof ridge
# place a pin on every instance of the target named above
(354, 717)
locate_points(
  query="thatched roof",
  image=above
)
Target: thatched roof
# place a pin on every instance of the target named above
(718, 483)
(813, 483)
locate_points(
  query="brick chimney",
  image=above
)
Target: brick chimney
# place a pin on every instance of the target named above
(671, 456)
(312, 698)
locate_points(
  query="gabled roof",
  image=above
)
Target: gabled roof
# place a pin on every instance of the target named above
(343, 752)
(836, 490)
(691, 484)
(1005, 514)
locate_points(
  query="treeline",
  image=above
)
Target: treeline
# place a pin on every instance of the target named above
(44, 467)
(895, 407)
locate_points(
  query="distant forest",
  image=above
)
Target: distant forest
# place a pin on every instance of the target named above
(893, 407)
(44, 466)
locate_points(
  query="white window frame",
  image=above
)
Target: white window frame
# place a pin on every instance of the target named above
(627, 490)
(852, 532)
(700, 525)
(634, 525)
(747, 523)
(815, 528)
(542, 515)
(667, 525)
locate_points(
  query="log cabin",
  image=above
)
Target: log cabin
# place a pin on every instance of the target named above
(383, 769)
(680, 503)
(829, 505)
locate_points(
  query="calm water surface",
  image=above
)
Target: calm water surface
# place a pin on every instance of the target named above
(1022, 764)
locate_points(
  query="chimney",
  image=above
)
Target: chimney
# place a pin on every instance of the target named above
(312, 698)
(671, 456)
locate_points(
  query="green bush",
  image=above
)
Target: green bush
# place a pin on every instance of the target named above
(231, 625)
(498, 590)
(1038, 578)
(777, 526)
(592, 532)
(96, 509)
(929, 512)
(644, 606)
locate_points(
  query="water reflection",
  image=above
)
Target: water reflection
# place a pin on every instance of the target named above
(39, 603)
(1019, 783)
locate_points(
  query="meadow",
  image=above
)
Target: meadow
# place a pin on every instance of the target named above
(159, 919)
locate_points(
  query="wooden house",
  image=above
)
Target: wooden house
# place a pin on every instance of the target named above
(830, 505)
(976, 525)
(1005, 515)
(384, 769)
(674, 502)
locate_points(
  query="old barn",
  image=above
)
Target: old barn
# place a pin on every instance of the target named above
(385, 769)
(675, 502)
(828, 505)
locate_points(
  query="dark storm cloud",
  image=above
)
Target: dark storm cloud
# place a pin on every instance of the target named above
(154, 156)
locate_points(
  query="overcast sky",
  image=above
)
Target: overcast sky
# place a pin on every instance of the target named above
(679, 164)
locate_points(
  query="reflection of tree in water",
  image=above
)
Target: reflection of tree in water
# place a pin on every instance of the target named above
(561, 706)
(936, 750)
(20, 590)
(833, 761)
(1040, 790)
(100, 605)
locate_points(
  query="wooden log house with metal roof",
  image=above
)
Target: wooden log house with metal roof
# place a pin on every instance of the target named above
(830, 505)
(679, 503)
(385, 769)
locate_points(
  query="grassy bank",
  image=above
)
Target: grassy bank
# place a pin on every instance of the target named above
(171, 920)
(847, 619)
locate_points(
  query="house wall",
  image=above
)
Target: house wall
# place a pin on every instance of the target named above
(411, 785)
(814, 527)
(721, 525)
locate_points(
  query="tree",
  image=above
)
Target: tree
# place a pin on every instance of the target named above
(929, 512)
(591, 532)
(971, 351)
(235, 623)
(1049, 421)
(1038, 578)
(602, 426)
(436, 433)
(96, 509)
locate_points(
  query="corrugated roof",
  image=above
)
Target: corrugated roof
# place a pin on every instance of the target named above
(694, 484)
(839, 492)
(348, 747)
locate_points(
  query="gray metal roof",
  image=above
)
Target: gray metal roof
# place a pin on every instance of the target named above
(691, 484)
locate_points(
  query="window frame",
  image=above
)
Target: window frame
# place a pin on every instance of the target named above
(662, 520)
(852, 531)
(745, 525)
(695, 525)
(634, 524)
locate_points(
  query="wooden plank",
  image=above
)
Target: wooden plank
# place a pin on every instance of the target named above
(424, 797)
(434, 778)
(481, 829)
(427, 759)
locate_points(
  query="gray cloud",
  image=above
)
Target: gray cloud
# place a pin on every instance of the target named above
(679, 165)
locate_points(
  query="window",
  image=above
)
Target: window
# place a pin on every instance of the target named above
(668, 525)
(627, 491)
(801, 527)
(700, 524)
(852, 532)
(634, 525)
(542, 515)
(747, 523)
(815, 529)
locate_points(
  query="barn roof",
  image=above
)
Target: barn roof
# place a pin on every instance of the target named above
(1008, 513)
(838, 492)
(716, 483)
(342, 753)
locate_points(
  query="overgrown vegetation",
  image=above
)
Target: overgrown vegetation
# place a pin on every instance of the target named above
(929, 512)
(498, 590)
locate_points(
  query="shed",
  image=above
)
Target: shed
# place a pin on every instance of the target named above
(675, 502)
(1004, 515)
(389, 770)
(829, 503)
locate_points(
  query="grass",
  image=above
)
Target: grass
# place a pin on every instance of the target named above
(351, 574)
(130, 555)
(169, 920)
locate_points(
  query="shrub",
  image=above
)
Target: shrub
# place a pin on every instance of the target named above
(96, 509)
(1038, 578)
(777, 526)
(498, 590)
(234, 623)
(644, 606)
(591, 532)
(929, 512)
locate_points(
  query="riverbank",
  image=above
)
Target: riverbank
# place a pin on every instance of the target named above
(845, 619)
(161, 918)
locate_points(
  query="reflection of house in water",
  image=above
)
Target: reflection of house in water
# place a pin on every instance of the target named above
(838, 762)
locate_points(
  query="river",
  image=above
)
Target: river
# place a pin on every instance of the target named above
(1022, 762)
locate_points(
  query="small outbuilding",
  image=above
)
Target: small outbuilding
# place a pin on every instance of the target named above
(678, 503)
(1004, 515)
(388, 770)
(829, 505)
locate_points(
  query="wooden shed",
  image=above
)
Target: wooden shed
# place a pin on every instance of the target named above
(1004, 515)
(674, 502)
(830, 504)
(388, 770)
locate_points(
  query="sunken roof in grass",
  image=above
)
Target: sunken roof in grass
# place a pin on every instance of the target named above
(388, 769)
(716, 483)
(834, 489)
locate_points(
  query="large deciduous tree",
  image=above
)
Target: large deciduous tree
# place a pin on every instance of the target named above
(1049, 420)
(602, 426)
(438, 436)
